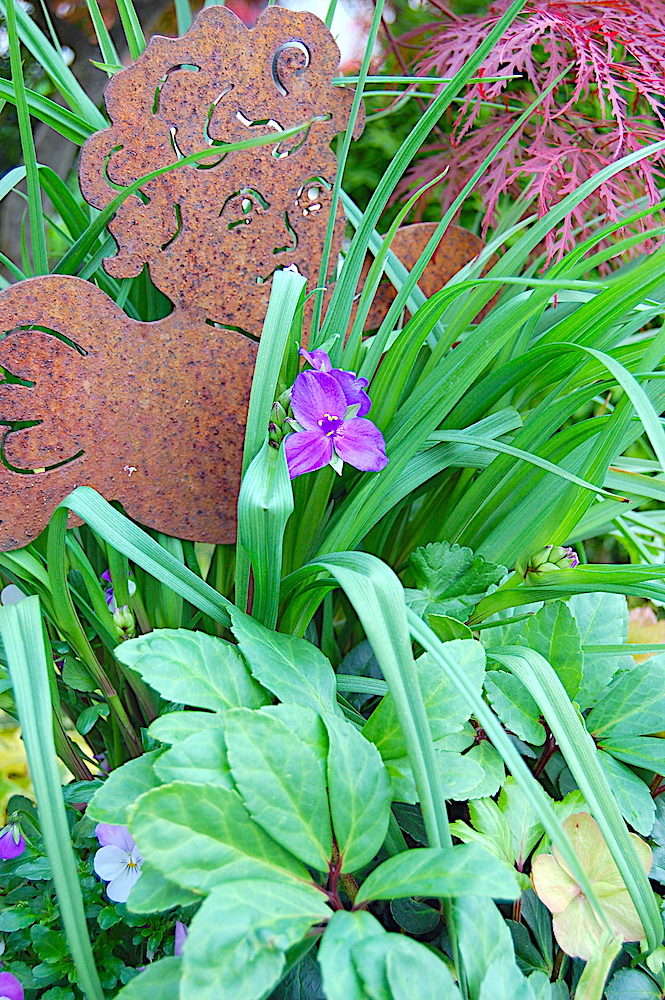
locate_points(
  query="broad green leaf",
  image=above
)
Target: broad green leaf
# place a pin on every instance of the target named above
(193, 668)
(303, 982)
(278, 761)
(525, 827)
(631, 984)
(504, 981)
(202, 835)
(154, 893)
(344, 930)
(450, 580)
(175, 726)
(112, 802)
(494, 772)
(633, 704)
(414, 916)
(514, 705)
(489, 827)
(458, 773)
(199, 758)
(235, 949)
(293, 669)
(483, 938)
(553, 633)
(446, 708)
(603, 621)
(447, 628)
(359, 792)
(632, 795)
(160, 979)
(466, 869)
(394, 967)
(639, 751)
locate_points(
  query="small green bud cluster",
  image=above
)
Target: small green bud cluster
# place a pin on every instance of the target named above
(124, 623)
(281, 411)
(547, 559)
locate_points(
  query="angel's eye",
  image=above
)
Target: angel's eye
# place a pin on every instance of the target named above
(313, 193)
(247, 206)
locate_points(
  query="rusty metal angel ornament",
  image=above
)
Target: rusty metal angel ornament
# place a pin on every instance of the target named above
(153, 414)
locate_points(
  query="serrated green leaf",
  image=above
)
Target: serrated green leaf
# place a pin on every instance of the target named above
(514, 705)
(160, 979)
(154, 893)
(466, 869)
(193, 668)
(632, 795)
(446, 708)
(202, 835)
(639, 751)
(359, 791)
(175, 726)
(344, 930)
(235, 949)
(293, 669)
(633, 704)
(112, 802)
(553, 633)
(450, 580)
(602, 620)
(199, 758)
(494, 772)
(525, 827)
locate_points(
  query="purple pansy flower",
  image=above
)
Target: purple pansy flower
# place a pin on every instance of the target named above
(180, 937)
(10, 987)
(325, 434)
(352, 385)
(12, 842)
(118, 861)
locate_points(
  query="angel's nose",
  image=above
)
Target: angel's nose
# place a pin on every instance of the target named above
(289, 235)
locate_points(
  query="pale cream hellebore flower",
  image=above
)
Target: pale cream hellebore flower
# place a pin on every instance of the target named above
(576, 927)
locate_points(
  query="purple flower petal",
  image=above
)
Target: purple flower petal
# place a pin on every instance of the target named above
(316, 395)
(317, 358)
(106, 575)
(10, 987)
(307, 451)
(12, 842)
(180, 936)
(353, 388)
(360, 443)
(119, 836)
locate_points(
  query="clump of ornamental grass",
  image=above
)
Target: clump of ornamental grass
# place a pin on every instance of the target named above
(608, 103)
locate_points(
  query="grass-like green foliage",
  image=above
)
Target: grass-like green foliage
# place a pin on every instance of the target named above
(393, 662)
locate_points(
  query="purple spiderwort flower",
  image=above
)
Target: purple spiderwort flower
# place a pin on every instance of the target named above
(181, 932)
(12, 842)
(118, 861)
(109, 594)
(352, 385)
(328, 431)
(10, 987)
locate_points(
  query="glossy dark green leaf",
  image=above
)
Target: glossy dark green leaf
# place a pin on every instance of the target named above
(360, 793)
(632, 795)
(647, 752)
(633, 704)
(160, 979)
(236, 946)
(202, 835)
(466, 869)
(414, 916)
(193, 668)
(293, 669)
(112, 802)
(278, 761)
(631, 984)
(514, 705)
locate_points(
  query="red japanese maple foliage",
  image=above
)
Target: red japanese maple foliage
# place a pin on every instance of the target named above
(609, 103)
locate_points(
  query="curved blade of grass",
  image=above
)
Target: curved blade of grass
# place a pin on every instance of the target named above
(533, 791)
(37, 231)
(580, 754)
(22, 634)
(126, 537)
(109, 52)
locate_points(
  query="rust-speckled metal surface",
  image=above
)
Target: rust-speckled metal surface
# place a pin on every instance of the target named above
(153, 414)
(456, 249)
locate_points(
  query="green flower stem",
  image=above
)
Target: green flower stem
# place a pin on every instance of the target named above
(597, 969)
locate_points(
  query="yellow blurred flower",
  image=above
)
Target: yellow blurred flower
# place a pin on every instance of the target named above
(643, 626)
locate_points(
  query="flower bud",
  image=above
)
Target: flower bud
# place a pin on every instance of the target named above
(124, 623)
(278, 414)
(548, 559)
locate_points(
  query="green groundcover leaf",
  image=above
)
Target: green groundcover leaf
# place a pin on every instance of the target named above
(631, 984)
(466, 869)
(202, 835)
(160, 979)
(602, 620)
(450, 580)
(360, 792)
(198, 759)
(553, 633)
(278, 760)
(634, 704)
(175, 726)
(111, 803)
(394, 967)
(340, 978)
(237, 941)
(446, 709)
(293, 669)
(193, 668)
(514, 705)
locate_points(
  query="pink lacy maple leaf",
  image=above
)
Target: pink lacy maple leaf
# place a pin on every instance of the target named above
(609, 103)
